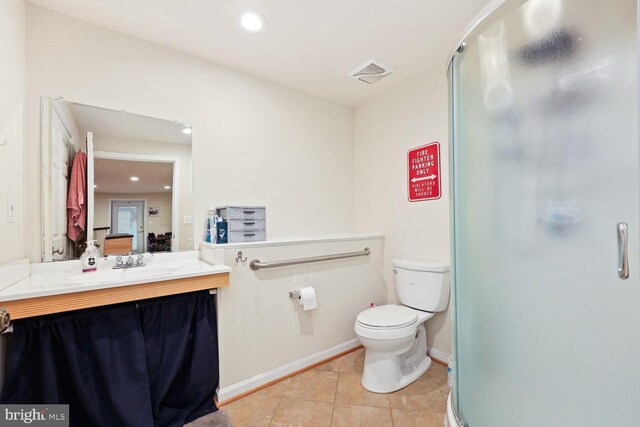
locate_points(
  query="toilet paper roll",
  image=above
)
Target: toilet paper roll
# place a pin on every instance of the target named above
(307, 298)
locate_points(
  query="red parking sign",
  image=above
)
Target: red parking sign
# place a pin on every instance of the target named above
(423, 173)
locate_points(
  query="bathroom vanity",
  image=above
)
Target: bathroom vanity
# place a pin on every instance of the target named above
(120, 346)
(60, 287)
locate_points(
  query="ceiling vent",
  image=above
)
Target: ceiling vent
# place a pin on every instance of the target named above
(371, 71)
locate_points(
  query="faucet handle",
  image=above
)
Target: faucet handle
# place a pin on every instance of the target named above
(141, 257)
(130, 258)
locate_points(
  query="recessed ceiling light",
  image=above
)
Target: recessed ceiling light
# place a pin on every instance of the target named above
(251, 21)
(186, 130)
(167, 187)
(134, 178)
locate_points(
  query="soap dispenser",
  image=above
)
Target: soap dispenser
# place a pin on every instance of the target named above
(89, 258)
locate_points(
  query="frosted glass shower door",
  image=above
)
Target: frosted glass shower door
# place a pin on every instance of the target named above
(545, 167)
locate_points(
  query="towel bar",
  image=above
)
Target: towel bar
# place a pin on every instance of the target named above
(256, 264)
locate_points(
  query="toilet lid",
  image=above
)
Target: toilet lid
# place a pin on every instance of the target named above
(388, 316)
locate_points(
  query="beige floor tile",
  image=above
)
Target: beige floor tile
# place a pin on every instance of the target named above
(356, 415)
(353, 362)
(423, 385)
(416, 419)
(442, 385)
(301, 413)
(307, 399)
(436, 370)
(276, 390)
(319, 386)
(409, 400)
(334, 365)
(350, 391)
(445, 393)
(424, 394)
(445, 390)
(252, 411)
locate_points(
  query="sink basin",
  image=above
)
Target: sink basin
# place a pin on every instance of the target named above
(111, 275)
(142, 272)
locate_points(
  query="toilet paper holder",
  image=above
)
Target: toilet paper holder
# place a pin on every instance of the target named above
(294, 294)
(304, 297)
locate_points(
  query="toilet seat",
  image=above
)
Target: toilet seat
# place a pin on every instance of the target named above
(403, 322)
(388, 316)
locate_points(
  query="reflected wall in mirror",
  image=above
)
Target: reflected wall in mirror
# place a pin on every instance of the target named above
(121, 179)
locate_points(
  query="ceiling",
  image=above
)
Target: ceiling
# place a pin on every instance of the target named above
(121, 125)
(114, 176)
(307, 45)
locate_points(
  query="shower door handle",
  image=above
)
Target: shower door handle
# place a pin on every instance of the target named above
(623, 249)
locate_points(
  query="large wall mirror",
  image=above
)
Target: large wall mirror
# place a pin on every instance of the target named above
(121, 179)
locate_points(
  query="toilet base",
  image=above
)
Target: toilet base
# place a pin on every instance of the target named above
(388, 371)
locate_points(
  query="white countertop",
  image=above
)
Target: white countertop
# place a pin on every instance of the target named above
(55, 278)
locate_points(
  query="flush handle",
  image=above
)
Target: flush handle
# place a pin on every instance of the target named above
(623, 249)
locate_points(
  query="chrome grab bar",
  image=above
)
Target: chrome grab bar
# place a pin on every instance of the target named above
(256, 264)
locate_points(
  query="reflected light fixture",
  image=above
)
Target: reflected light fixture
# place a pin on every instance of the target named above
(250, 21)
(186, 130)
(167, 187)
(134, 178)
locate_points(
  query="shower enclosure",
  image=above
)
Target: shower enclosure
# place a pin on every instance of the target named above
(545, 190)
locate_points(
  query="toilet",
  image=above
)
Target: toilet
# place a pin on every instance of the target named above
(394, 336)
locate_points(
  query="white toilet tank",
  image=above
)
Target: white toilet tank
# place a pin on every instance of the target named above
(423, 285)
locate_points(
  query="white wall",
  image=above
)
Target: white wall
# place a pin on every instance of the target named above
(12, 127)
(254, 142)
(384, 130)
(264, 335)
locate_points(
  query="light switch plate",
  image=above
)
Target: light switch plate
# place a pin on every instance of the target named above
(188, 219)
(11, 209)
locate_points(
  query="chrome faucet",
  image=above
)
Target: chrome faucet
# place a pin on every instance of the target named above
(130, 263)
(119, 263)
(140, 260)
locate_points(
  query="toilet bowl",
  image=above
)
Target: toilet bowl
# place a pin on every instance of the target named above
(396, 348)
(394, 336)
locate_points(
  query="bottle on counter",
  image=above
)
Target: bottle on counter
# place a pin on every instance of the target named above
(210, 226)
(221, 232)
(89, 258)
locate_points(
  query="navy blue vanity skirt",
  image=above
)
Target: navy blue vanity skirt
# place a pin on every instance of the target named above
(147, 363)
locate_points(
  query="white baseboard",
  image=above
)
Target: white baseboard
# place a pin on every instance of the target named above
(233, 390)
(437, 354)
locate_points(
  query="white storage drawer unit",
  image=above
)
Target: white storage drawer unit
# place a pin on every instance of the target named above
(242, 212)
(247, 236)
(245, 223)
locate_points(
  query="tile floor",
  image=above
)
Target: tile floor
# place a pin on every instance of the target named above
(331, 395)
